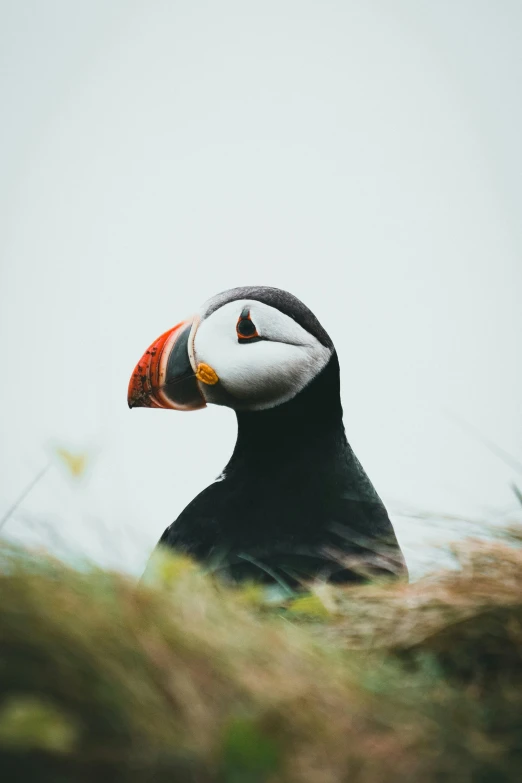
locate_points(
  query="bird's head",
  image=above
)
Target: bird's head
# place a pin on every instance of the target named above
(248, 348)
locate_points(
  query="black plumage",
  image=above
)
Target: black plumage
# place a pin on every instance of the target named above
(293, 503)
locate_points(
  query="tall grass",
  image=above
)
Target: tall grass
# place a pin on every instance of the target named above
(184, 679)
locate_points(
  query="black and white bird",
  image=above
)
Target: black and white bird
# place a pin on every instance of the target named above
(294, 503)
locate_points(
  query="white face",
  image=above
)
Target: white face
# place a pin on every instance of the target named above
(260, 374)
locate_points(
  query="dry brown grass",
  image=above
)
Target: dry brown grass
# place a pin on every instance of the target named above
(186, 680)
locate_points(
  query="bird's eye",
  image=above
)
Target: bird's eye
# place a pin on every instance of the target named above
(246, 328)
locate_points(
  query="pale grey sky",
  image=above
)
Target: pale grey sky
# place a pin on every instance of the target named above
(366, 156)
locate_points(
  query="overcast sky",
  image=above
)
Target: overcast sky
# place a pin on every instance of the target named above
(365, 156)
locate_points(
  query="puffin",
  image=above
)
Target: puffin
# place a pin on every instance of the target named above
(294, 504)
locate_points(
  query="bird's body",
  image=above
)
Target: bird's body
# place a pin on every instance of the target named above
(293, 503)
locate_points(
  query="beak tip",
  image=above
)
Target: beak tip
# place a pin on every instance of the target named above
(134, 399)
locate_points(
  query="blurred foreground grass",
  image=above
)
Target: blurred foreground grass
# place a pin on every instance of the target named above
(182, 679)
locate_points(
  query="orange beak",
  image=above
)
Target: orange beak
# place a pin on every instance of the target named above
(164, 376)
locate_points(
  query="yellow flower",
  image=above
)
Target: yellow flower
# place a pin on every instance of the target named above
(75, 463)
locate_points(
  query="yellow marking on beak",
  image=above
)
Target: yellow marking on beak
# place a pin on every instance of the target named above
(206, 374)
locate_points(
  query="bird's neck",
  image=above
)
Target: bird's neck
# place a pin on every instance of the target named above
(307, 429)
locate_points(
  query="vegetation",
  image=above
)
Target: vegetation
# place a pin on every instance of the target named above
(183, 679)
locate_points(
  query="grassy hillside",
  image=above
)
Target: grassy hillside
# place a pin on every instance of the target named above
(182, 679)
